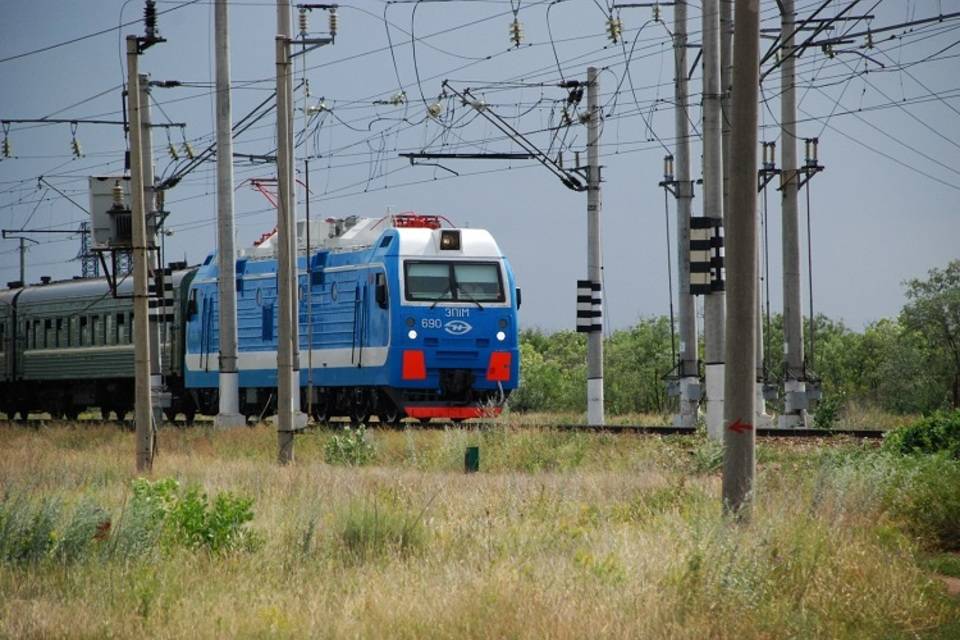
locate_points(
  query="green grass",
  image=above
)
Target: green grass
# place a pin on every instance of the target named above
(561, 535)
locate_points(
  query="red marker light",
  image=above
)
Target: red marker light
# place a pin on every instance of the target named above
(498, 370)
(414, 365)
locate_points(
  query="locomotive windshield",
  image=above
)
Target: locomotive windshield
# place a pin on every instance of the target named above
(454, 281)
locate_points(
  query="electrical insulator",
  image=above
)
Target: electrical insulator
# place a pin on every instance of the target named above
(303, 22)
(188, 150)
(172, 150)
(434, 110)
(117, 195)
(614, 29)
(656, 12)
(869, 42)
(7, 148)
(398, 98)
(516, 32)
(769, 155)
(668, 168)
(150, 19)
(75, 147)
(810, 146)
(334, 21)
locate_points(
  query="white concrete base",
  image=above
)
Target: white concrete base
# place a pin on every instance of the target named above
(714, 413)
(794, 412)
(299, 420)
(229, 414)
(689, 403)
(229, 420)
(595, 401)
(761, 419)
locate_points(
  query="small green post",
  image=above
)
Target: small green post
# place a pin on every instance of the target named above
(471, 460)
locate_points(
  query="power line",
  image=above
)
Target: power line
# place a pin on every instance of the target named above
(89, 35)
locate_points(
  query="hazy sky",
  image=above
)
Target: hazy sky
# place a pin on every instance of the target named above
(885, 210)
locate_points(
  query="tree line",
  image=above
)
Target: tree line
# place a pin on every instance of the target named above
(903, 365)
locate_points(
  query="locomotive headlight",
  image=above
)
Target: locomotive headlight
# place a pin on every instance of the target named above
(450, 239)
(412, 334)
(501, 336)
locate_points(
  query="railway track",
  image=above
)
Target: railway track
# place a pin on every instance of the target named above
(796, 434)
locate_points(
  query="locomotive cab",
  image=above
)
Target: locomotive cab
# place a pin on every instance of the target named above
(456, 342)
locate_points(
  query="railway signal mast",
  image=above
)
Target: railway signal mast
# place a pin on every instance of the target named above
(687, 365)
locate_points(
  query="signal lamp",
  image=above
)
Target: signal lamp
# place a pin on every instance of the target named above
(450, 240)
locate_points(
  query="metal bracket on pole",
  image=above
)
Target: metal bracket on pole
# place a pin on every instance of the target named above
(572, 179)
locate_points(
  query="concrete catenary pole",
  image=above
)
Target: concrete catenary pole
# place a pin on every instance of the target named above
(143, 412)
(595, 413)
(739, 464)
(285, 261)
(149, 209)
(713, 304)
(229, 410)
(688, 371)
(794, 388)
(726, 80)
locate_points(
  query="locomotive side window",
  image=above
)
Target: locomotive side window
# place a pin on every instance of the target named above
(457, 281)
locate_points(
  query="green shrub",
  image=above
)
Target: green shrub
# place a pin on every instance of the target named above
(376, 528)
(919, 494)
(707, 457)
(34, 531)
(162, 511)
(27, 529)
(828, 410)
(924, 493)
(350, 448)
(936, 433)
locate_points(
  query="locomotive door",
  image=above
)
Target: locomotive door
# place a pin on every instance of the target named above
(207, 345)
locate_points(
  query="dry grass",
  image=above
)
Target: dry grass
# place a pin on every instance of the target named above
(561, 536)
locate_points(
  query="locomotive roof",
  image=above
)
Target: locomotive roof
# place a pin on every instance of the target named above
(358, 234)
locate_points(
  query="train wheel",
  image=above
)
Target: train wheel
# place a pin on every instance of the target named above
(391, 415)
(72, 413)
(359, 417)
(424, 420)
(320, 410)
(190, 414)
(170, 414)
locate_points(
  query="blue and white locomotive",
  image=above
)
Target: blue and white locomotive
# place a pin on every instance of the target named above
(398, 317)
